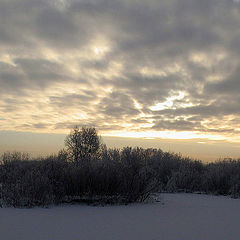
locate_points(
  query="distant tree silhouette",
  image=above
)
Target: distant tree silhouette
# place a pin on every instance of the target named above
(82, 143)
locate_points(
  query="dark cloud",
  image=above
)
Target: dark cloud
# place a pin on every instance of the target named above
(181, 125)
(10, 77)
(30, 74)
(187, 125)
(73, 100)
(96, 65)
(150, 89)
(40, 71)
(118, 106)
(228, 86)
(40, 125)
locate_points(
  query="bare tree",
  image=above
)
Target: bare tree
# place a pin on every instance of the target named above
(82, 143)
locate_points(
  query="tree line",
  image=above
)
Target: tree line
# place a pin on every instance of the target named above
(87, 171)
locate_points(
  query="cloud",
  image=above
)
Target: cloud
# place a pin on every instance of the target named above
(118, 106)
(120, 65)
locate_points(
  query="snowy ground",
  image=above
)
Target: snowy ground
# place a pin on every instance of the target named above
(176, 217)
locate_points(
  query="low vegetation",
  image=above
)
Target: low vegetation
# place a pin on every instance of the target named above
(87, 171)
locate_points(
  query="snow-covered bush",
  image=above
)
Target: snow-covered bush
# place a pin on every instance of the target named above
(27, 183)
(222, 177)
(187, 178)
(112, 176)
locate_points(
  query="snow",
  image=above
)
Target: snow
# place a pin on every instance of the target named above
(175, 217)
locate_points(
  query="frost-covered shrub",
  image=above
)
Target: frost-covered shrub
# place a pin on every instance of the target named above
(164, 164)
(31, 183)
(138, 177)
(222, 177)
(187, 178)
(112, 176)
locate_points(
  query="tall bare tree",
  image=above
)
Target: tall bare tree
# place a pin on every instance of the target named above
(82, 143)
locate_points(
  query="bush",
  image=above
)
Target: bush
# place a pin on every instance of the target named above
(111, 176)
(31, 183)
(187, 178)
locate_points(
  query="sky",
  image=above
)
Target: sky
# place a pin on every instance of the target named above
(151, 73)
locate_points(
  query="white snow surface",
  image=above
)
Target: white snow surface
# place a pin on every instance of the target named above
(175, 217)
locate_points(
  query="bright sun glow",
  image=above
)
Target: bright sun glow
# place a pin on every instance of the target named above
(100, 46)
(99, 50)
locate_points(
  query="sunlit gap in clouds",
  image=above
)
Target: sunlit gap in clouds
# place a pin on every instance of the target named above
(169, 102)
(163, 135)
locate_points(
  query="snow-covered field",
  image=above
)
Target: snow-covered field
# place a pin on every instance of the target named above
(176, 217)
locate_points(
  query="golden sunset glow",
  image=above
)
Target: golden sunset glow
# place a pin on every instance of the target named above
(164, 134)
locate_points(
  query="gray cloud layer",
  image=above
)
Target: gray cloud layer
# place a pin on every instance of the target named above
(120, 65)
